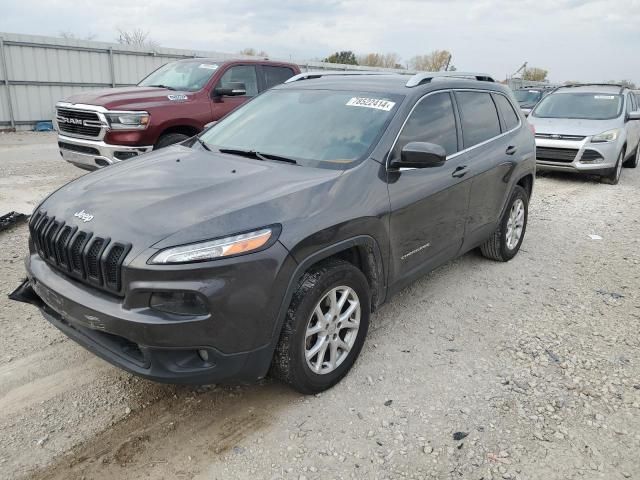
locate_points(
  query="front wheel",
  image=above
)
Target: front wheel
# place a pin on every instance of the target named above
(170, 139)
(506, 240)
(325, 327)
(614, 177)
(634, 160)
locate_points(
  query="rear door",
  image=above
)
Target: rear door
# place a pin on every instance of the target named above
(222, 104)
(632, 126)
(489, 153)
(272, 75)
(429, 205)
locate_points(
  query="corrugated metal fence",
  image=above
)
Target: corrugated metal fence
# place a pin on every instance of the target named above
(36, 71)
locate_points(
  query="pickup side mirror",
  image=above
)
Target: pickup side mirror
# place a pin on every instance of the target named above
(633, 115)
(420, 155)
(231, 89)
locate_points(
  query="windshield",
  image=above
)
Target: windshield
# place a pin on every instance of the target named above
(188, 76)
(583, 105)
(527, 96)
(314, 127)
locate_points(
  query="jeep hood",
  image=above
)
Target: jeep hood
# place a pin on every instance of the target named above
(180, 195)
(572, 126)
(126, 98)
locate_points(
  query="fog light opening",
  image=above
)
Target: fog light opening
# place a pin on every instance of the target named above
(204, 355)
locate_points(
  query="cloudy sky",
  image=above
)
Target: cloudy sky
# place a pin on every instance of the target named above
(589, 40)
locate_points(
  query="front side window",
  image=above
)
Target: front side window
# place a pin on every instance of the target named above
(510, 117)
(241, 74)
(479, 117)
(432, 121)
(275, 75)
(582, 105)
(186, 76)
(324, 128)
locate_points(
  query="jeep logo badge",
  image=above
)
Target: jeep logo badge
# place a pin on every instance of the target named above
(84, 216)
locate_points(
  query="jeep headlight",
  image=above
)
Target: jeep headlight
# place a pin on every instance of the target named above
(608, 136)
(219, 248)
(128, 120)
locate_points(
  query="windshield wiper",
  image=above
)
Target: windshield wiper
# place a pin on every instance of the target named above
(257, 155)
(203, 143)
(161, 86)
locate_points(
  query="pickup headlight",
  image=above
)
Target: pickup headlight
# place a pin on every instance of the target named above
(608, 136)
(128, 120)
(212, 249)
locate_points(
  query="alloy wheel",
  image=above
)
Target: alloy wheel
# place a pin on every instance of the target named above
(515, 224)
(332, 330)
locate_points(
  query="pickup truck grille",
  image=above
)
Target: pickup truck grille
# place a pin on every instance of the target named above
(83, 123)
(564, 155)
(79, 254)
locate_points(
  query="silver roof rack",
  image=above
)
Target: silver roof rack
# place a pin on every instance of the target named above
(310, 75)
(426, 77)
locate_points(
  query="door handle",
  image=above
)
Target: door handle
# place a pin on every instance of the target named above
(511, 149)
(460, 171)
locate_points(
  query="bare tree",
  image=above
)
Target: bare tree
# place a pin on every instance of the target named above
(535, 74)
(73, 36)
(136, 38)
(435, 61)
(253, 52)
(386, 60)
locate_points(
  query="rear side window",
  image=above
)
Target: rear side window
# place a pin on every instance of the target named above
(431, 121)
(509, 115)
(244, 74)
(275, 75)
(479, 117)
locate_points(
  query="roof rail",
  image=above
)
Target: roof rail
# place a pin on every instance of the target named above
(426, 77)
(572, 85)
(311, 75)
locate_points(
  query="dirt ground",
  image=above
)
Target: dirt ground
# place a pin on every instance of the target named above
(481, 370)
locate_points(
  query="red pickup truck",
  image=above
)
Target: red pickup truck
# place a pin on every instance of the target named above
(101, 127)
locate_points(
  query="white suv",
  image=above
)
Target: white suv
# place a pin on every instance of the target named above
(588, 128)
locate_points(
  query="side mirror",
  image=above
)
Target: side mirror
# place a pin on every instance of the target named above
(633, 115)
(420, 155)
(231, 89)
(526, 111)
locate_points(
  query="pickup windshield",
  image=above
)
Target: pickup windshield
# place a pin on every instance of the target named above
(583, 105)
(185, 76)
(323, 128)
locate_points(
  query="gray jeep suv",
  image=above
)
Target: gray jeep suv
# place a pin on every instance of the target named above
(265, 242)
(589, 128)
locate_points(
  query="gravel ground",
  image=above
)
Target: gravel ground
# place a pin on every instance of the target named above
(480, 370)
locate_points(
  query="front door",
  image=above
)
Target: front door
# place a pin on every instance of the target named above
(428, 206)
(222, 104)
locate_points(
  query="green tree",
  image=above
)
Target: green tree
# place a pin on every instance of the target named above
(346, 57)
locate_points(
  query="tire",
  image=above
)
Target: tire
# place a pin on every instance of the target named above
(169, 139)
(614, 176)
(501, 246)
(313, 292)
(634, 160)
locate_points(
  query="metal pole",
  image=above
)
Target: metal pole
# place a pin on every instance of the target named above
(3, 60)
(111, 68)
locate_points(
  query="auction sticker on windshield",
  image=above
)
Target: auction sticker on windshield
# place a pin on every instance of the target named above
(604, 97)
(376, 103)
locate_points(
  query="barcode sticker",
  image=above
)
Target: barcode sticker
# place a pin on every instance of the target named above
(376, 103)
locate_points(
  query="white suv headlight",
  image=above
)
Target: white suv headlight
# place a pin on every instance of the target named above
(608, 136)
(128, 120)
(212, 249)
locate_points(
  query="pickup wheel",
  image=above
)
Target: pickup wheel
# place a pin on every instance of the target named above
(169, 139)
(506, 241)
(324, 329)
